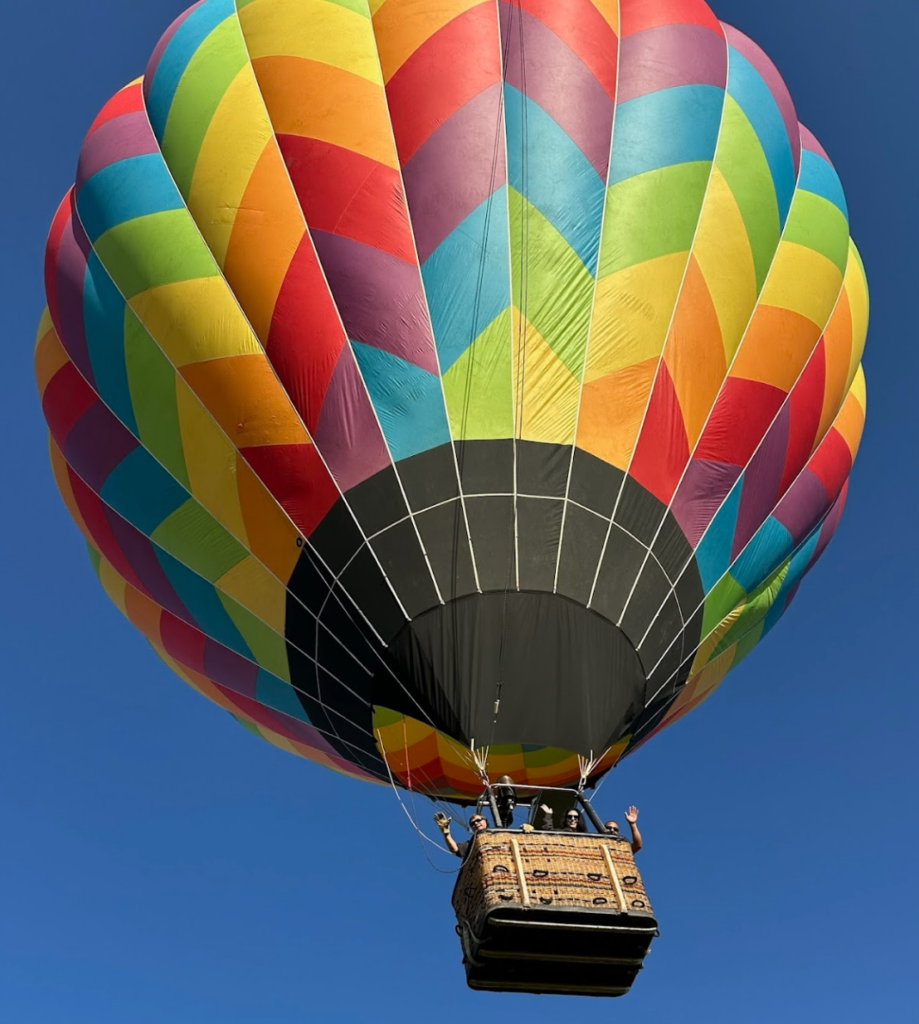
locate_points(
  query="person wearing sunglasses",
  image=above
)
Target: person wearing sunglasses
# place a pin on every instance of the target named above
(571, 823)
(477, 824)
(631, 816)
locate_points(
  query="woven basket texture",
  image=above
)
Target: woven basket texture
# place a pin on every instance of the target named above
(559, 870)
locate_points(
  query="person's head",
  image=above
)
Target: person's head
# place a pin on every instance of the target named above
(612, 828)
(477, 823)
(505, 780)
(572, 820)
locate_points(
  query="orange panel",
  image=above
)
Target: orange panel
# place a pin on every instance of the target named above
(266, 232)
(244, 396)
(612, 409)
(776, 347)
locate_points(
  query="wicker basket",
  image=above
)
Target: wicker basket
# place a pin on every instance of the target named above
(528, 902)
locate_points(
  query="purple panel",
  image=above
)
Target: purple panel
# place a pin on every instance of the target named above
(828, 529)
(671, 55)
(118, 139)
(704, 486)
(761, 481)
(229, 668)
(809, 141)
(70, 272)
(307, 734)
(379, 297)
(347, 435)
(141, 556)
(96, 444)
(560, 82)
(803, 505)
(455, 170)
(775, 83)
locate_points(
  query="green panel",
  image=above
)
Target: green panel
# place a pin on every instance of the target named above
(726, 594)
(747, 643)
(545, 757)
(267, 647)
(820, 225)
(478, 385)
(198, 541)
(94, 557)
(754, 610)
(557, 294)
(152, 383)
(652, 214)
(250, 726)
(157, 249)
(741, 160)
(216, 62)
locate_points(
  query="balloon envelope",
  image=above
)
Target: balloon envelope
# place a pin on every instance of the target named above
(435, 375)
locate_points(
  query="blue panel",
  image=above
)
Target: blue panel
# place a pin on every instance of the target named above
(141, 491)
(466, 278)
(713, 555)
(103, 320)
(276, 694)
(765, 552)
(671, 126)
(818, 176)
(746, 86)
(409, 401)
(125, 190)
(201, 599)
(555, 177)
(175, 58)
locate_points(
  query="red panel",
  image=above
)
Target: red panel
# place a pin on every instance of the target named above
(92, 509)
(183, 642)
(296, 476)
(67, 397)
(585, 31)
(805, 407)
(306, 337)
(637, 15)
(663, 449)
(832, 462)
(432, 84)
(260, 714)
(52, 247)
(739, 421)
(128, 100)
(348, 194)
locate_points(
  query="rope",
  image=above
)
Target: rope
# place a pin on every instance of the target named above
(414, 824)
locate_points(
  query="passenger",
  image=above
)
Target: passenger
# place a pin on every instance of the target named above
(631, 816)
(506, 801)
(477, 823)
(572, 820)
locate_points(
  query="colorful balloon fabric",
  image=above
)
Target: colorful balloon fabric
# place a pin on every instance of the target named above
(445, 385)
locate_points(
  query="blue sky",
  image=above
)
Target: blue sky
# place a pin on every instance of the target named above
(157, 862)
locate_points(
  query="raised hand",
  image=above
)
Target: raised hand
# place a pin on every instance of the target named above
(631, 815)
(442, 822)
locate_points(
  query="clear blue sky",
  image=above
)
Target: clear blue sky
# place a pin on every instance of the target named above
(158, 863)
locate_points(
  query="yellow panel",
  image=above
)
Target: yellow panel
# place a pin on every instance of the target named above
(401, 26)
(252, 585)
(236, 136)
(857, 288)
(195, 320)
(804, 281)
(314, 29)
(550, 392)
(631, 314)
(722, 250)
(211, 463)
(113, 583)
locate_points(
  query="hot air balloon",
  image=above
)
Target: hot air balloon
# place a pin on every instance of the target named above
(453, 389)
